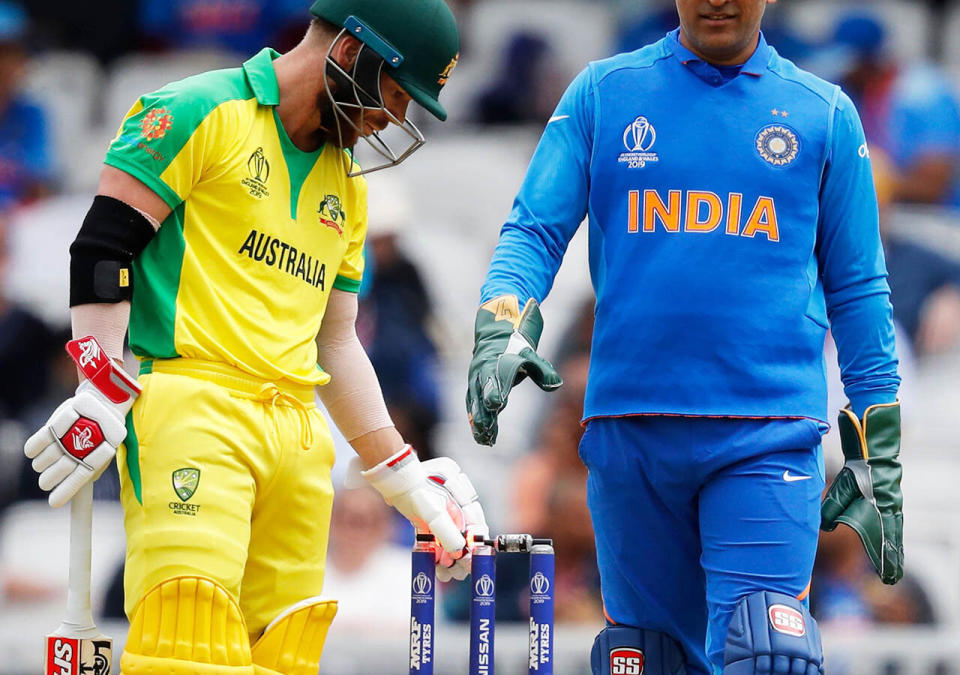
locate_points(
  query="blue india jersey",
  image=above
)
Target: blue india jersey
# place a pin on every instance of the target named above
(731, 221)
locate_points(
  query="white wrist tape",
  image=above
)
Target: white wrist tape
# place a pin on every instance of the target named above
(396, 474)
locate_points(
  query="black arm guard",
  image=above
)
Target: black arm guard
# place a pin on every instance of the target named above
(112, 235)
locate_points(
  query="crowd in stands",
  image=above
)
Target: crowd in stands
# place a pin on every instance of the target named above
(911, 114)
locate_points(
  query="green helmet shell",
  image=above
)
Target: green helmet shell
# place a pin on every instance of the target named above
(417, 38)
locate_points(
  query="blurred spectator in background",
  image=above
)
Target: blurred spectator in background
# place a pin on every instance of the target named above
(363, 568)
(924, 283)
(553, 501)
(25, 345)
(846, 595)
(640, 28)
(105, 28)
(25, 162)
(27, 351)
(527, 87)
(395, 318)
(911, 112)
(555, 456)
(241, 26)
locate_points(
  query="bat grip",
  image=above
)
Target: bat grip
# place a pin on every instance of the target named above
(79, 613)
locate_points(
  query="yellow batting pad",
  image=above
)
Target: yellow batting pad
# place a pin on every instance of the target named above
(293, 642)
(187, 626)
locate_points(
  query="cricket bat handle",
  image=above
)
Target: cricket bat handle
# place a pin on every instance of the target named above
(79, 616)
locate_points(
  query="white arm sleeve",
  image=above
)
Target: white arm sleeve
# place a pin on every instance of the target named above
(105, 321)
(353, 397)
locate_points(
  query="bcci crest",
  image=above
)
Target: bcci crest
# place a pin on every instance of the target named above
(778, 145)
(259, 169)
(156, 123)
(185, 482)
(331, 213)
(638, 139)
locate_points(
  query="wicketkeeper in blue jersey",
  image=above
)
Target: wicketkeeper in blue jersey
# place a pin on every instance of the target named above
(732, 220)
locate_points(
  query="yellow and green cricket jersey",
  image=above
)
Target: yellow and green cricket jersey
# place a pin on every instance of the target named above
(260, 232)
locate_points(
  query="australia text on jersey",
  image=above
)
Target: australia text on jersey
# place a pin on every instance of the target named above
(285, 257)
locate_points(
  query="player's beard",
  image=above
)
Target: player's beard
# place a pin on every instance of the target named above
(334, 128)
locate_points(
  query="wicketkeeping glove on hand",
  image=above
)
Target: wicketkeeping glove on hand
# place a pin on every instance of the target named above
(437, 497)
(504, 352)
(82, 435)
(866, 493)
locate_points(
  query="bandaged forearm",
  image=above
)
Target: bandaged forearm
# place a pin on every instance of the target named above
(353, 397)
(105, 321)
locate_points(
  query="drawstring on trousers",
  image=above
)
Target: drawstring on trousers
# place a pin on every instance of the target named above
(271, 394)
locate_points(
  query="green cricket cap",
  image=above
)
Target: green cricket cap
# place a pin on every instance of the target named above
(418, 40)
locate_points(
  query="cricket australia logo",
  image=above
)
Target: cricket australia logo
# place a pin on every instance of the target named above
(484, 587)
(422, 584)
(639, 138)
(89, 353)
(259, 170)
(185, 482)
(445, 75)
(331, 214)
(156, 123)
(539, 584)
(778, 145)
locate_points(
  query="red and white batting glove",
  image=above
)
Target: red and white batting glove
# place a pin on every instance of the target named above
(82, 435)
(437, 497)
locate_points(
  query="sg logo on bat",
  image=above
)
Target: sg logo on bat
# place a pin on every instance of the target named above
(73, 656)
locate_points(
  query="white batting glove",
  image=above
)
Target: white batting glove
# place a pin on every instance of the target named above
(437, 497)
(82, 435)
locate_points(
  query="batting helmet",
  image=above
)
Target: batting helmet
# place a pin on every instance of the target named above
(417, 40)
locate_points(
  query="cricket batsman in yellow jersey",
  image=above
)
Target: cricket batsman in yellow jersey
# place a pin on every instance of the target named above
(227, 236)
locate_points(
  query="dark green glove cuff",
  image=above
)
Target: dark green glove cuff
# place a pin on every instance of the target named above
(866, 494)
(504, 353)
(497, 319)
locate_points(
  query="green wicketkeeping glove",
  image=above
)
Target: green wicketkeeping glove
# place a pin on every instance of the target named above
(866, 493)
(504, 352)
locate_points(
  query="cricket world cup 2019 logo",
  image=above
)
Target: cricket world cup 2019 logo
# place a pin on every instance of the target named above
(485, 587)
(638, 139)
(539, 584)
(259, 169)
(259, 166)
(639, 136)
(422, 584)
(156, 123)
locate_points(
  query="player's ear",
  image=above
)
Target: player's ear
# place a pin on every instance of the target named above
(345, 51)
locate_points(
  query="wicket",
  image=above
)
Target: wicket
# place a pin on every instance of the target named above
(483, 580)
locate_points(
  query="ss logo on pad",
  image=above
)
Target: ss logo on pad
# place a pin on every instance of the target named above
(626, 661)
